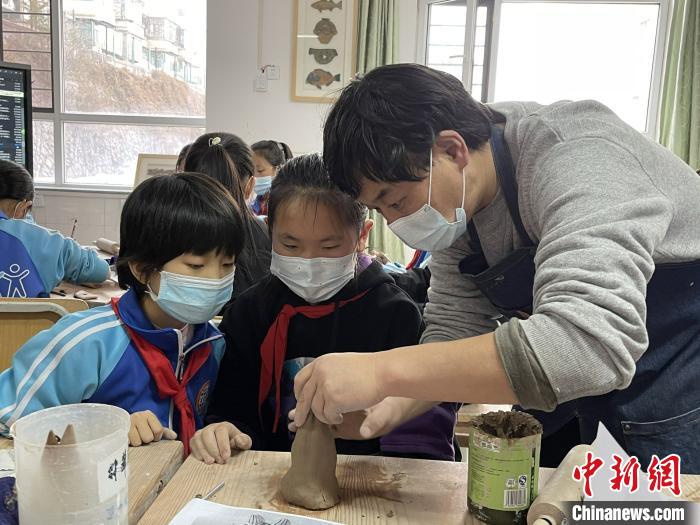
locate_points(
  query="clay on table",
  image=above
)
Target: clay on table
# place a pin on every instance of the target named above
(310, 481)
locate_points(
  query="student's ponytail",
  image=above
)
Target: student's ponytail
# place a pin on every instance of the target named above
(276, 153)
(210, 155)
(15, 182)
(285, 151)
(226, 158)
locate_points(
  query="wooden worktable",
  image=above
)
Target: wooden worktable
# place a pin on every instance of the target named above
(373, 489)
(150, 468)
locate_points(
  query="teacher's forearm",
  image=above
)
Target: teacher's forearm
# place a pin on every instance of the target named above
(467, 370)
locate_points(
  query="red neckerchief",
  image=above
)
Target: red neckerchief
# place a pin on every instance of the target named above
(274, 348)
(164, 376)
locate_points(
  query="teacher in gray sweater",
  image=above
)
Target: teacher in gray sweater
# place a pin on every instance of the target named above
(565, 269)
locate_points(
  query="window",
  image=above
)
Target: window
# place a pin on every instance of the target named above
(131, 80)
(26, 39)
(550, 50)
(44, 159)
(92, 157)
(449, 30)
(446, 37)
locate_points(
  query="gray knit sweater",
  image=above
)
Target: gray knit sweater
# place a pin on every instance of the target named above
(604, 204)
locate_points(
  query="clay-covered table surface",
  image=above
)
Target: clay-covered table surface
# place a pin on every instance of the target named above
(373, 489)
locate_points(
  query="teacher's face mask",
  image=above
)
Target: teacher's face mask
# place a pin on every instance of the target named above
(426, 229)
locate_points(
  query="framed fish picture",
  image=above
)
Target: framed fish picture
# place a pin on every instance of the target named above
(325, 43)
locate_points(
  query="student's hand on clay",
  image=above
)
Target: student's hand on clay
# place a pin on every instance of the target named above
(335, 384)
(213, 443)
(146, 428)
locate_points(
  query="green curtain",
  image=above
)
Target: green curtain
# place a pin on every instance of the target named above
(378, 45)
(680, 103)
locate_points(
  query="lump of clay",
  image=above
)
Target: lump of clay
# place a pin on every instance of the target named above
(509, 425)
(311, 481)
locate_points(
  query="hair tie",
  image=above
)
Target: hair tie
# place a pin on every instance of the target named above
(214, 141)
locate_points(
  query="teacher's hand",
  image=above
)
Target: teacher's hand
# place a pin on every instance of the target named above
(376, 421)
(335, 384)
(350, 428)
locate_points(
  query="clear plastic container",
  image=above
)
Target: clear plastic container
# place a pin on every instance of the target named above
(81, 484)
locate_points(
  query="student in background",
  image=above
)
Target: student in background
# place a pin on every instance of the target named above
(33, 260)
(320, 298)
(226, 158)
(414, 280)
(180, 236)
(180, 165)
(268, 156)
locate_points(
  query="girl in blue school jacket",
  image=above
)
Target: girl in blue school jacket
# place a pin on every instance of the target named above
(152, 352)
(33, 260)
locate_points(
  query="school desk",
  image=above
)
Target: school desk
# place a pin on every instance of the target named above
(373, 489)
(150, 468)
(104, 292)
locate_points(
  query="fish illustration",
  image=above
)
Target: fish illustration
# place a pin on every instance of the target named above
(321, 78)
(257, 519)
(323, 56)
(326, 5)
(325, 30)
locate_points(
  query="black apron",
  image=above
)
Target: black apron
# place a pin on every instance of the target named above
(659, 413)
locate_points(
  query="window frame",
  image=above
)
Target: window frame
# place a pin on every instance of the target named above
(469, 33)
(50, 53)
(491, 53)
(59, 117)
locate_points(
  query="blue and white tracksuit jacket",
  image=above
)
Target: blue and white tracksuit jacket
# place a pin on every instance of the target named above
(88, 357)
(33, 260)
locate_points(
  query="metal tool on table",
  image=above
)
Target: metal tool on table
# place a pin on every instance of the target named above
(212, 491)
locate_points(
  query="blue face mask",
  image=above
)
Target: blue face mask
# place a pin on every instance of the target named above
(29, 217)
(192, 300)
(263, 185)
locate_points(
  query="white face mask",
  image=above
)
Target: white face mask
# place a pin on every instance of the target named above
(15, 210)
(314, 280)
(426, 229)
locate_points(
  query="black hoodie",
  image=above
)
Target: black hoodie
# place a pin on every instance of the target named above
(384, 318)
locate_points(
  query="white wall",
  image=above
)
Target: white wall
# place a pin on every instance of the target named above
(232, 54)
(408, 30)
(97, 213)
(232, 105)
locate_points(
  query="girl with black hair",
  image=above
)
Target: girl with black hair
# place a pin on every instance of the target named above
(33, 260)
(322, 297)
(180, 236)
(227, 159)
(180, 164)
(268, 156)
